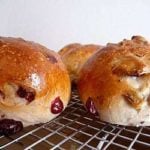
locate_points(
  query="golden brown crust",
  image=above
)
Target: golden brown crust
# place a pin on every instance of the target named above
(75, 55)
(129, 65)
(68, 47)
(31, 66)
(104, 76)
(25, 61)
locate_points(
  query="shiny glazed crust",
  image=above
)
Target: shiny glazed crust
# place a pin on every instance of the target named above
(32, 77)
(116, 82)
(75, 55)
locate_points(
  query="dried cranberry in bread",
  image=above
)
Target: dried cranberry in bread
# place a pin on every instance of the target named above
(34, 84)
(115, 82)
(75, 55)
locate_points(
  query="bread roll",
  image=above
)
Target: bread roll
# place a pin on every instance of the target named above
(115, 83)
(75, 55)
(34, 84)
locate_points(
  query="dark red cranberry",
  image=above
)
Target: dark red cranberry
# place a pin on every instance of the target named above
(57, 106)
(26, 93)
(10, 126)
(91, 107)
(30, 96)
(21, 92)
(3, 115)
(2, 95)
(52, 59)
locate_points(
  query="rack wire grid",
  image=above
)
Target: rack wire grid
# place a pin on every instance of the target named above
(76, 129)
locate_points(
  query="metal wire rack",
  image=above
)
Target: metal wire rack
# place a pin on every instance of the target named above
(76, 129)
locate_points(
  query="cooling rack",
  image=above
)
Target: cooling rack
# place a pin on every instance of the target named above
(76, 129)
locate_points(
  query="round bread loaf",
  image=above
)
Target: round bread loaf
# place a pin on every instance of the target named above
(34, 83)
(115, 83)
(75, 55)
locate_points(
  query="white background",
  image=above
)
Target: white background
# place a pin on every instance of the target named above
(55, 23)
